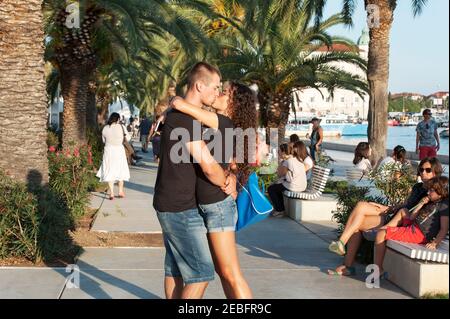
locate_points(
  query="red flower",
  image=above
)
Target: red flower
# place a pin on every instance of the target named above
(52, 149)
(76, 153)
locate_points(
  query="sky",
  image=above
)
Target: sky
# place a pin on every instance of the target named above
(419, 53)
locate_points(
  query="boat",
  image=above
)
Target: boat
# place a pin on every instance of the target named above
(333, 125)
(444, 133)
(393, 122)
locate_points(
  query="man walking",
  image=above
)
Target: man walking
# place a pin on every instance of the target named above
(188, 264)
(427, 137)
(316, 139)
(144, 129)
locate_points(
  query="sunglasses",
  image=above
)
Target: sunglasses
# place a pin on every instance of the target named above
(428, 170)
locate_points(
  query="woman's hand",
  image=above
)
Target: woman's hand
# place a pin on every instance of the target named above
(431, 245)
(175, 102)
(424, 200)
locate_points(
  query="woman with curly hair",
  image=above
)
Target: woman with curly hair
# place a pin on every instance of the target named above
(235, 109)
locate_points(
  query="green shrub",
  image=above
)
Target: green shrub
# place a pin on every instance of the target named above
(394, 181)
(332, 187)
(19, 220)
(94, 139)
(33, 224)
(71, 176)
(53, 139)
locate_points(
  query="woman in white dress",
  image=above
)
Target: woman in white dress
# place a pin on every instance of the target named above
(114, 166)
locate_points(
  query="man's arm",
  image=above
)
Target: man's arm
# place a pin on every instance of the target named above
(417, 142)
(319, 142)
(436, 136)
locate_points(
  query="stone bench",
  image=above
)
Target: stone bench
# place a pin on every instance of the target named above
(320, 209)
(416, 269)
(311, 205)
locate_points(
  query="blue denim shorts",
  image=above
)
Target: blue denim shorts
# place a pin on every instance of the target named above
(187, 250)
(221, 216)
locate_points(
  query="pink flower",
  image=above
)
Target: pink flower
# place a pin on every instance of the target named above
(76, 153)
(52, 149)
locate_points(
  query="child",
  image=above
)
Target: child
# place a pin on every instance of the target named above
(426, 223)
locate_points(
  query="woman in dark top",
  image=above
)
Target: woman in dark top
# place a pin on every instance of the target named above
(371, 216)
(236, 108)
(426, 223)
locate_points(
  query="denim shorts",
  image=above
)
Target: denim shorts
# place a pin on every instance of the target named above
(187, 250)
(221, 216)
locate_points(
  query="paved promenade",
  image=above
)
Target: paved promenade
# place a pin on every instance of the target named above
(280, 258)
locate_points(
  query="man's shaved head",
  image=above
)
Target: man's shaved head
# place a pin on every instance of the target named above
(201, 71)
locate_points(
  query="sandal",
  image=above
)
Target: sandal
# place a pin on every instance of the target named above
(337, 247)
(349, 271)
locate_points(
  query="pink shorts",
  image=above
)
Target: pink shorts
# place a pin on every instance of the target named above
(409, 232)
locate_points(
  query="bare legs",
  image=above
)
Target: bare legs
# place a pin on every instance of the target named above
(111, 189)
(121, 192)
(175, 289)
(226, 263)
(360, 219)
(365, 216)
(380, 241)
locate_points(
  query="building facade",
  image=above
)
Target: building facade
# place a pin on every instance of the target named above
(344, 102)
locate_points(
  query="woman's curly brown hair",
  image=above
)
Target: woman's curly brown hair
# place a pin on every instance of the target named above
(439, 184)
(242, 111)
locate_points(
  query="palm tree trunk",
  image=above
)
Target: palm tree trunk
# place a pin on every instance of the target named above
(91, 110)
(378, 78)
(102, 115)
(23, 99)
(74, 89)
(275, 114)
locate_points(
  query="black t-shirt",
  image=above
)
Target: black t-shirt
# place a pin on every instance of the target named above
(429, 218)
(175, 182)
(207, 192)
(417, 193)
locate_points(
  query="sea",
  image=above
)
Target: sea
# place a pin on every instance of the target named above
(397, 135)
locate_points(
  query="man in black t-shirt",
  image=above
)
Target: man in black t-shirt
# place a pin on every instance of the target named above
(188, 263)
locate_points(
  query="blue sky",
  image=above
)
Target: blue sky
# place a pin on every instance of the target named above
(419, 59)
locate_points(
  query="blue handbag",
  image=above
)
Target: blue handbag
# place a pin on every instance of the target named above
(253, 206)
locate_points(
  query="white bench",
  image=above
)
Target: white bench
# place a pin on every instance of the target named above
(310, 205)
(417, 269)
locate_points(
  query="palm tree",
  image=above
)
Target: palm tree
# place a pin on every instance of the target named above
(23, 102)
(110, 30)
(277, 51)
(378, 66)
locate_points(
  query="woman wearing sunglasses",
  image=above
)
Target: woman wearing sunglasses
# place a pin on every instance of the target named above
(367, 218)
(425, 224)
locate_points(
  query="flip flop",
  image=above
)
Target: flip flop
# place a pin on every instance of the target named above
(349, 271)
(337, 247)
